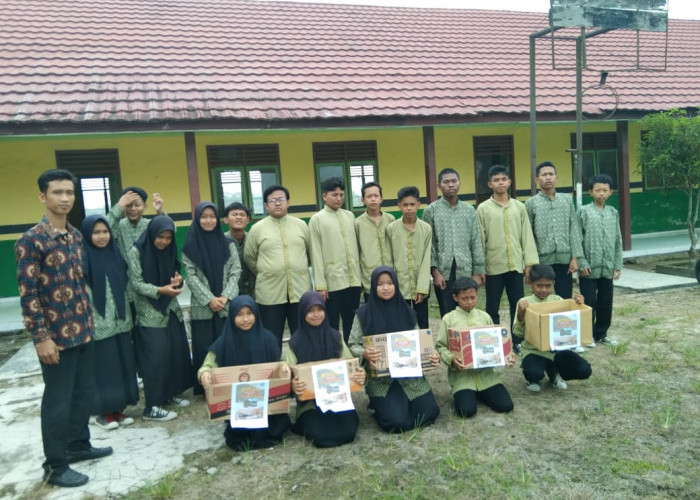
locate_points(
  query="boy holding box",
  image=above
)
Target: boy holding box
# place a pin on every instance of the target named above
(559, 365)
(468, 386)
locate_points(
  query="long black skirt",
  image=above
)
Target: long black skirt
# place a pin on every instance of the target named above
(164, 357)
(329, 429)
(204, 333)
(252, 439)
(115, 374)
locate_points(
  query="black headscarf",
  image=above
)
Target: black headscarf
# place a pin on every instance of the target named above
(209, 250)
(314, 343)
(103, 263)
(385, 316)
(158, 266)
(236, 347)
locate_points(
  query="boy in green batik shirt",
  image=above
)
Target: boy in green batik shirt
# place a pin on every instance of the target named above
(556, 229)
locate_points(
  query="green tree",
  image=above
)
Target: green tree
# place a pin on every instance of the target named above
(670, 151)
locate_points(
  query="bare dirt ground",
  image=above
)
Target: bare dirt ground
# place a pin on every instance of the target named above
(630, 431)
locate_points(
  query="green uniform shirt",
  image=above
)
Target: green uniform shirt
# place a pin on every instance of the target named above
(414, 387)
(474, 380)
(110, 324)
(125, 233)
(372, 245)
(507, 236)
(335, 259)
(456, 237)
(519, 329)
(277, 252)
(146, 314)
(410, 251)
(246, 282)
(555, 228)
(602, 241)
(201, 290)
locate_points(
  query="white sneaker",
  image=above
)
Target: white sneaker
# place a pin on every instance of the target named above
(591, 345)
(159, 414)
(578, 349)
(106, 422)
(178, 401)
(558, 383)
(534, 387)
(608, 341)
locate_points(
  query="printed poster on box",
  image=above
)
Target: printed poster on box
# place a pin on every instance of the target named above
(565, 330)
(487, 347)
(403, 355)
(332, 387)
(249, 404)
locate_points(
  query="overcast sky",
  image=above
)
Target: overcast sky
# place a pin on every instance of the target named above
(677, 9)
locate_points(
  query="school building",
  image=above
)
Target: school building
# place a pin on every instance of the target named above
(217, 99)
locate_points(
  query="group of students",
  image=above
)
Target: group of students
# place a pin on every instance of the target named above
(246, 285)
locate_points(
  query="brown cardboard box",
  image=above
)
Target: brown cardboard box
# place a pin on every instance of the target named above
(303, 371)
(537, 321)
(427, 345)
(219, 393)
(459, 343)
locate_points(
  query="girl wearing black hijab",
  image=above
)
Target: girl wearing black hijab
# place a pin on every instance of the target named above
(244, 341)
(161, 340)
(399, 404)
(115, 375)
(212, 268)
(315, 340)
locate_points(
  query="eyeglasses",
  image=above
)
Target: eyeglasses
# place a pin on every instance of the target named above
(274, 201)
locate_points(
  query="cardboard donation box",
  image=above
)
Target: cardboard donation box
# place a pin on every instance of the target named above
(303, 371)
(477, 347)
(426, 346)
(558, 325)
(219, 393)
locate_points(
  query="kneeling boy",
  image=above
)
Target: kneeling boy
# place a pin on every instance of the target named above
(558, 365)
(468, 386)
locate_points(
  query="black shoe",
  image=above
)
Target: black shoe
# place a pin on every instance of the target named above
(88, 454)
(66, 479)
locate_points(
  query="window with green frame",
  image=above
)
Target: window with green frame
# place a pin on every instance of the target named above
(489, 151)
(242, 173)
(355, 162)
(599, 156)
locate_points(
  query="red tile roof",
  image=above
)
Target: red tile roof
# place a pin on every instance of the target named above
(88, 61)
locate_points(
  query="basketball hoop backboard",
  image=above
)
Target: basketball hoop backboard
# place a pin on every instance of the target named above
(644, 15)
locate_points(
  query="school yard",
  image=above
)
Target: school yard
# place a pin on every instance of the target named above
(628, 432)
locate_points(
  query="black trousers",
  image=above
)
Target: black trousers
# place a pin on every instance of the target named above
(204, 333)
(497, 398)
(69, 388)
(512, 281)
(598, 295)
(253, 439)
(396, 413)
(568, 364)
(165, 361)
(329, 429)
(421, 311)
(343, 304)
(564, 281)
(444, 297)
(273, 318)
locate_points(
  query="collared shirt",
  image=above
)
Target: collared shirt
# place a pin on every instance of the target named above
(371, 242)
(602, 241)
(52, 289)
(474, 380)
(335, 259)
(125, 233)
(246, 283)
(410, 251)
(456, 237)
(507, 236)
(555, 228)
(277, 251)
(198, 284)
